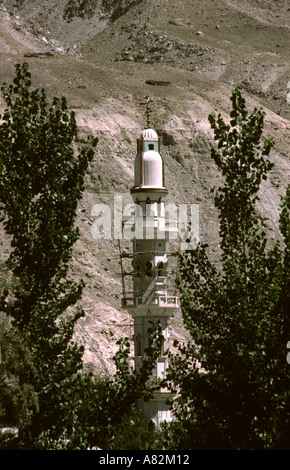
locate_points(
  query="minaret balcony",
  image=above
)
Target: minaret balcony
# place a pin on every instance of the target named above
(153, 298)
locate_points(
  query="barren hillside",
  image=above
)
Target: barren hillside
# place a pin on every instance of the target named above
(105, 56)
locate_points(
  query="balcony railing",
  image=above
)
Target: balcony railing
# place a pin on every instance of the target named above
(151, 298)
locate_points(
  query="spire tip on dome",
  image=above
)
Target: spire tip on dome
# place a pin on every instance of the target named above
(148, 112)
(148, 133)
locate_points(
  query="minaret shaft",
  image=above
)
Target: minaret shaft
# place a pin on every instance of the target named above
(151, 300)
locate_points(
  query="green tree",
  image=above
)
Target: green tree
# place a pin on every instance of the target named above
(101, 411)
(41, 183)
(18, 400)
(232, 380)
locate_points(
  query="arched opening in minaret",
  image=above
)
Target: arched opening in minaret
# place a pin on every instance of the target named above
(138, 346)
(160, 269)
(150, 146)
(148, 269)
(162, 346)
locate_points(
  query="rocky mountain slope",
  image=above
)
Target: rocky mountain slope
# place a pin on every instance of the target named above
(105, 56)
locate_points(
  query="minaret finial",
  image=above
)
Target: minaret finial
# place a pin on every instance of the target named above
(148, 111)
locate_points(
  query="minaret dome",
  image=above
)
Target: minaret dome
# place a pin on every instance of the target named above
(149, 164)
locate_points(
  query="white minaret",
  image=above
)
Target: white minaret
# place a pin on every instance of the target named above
(150, 300)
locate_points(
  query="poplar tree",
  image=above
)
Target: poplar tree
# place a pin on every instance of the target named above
(41, 183)
(232, 380)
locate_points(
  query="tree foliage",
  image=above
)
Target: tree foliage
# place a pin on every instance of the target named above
(232, 379)
(41, 183)
(102, 411)
(18, 400)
